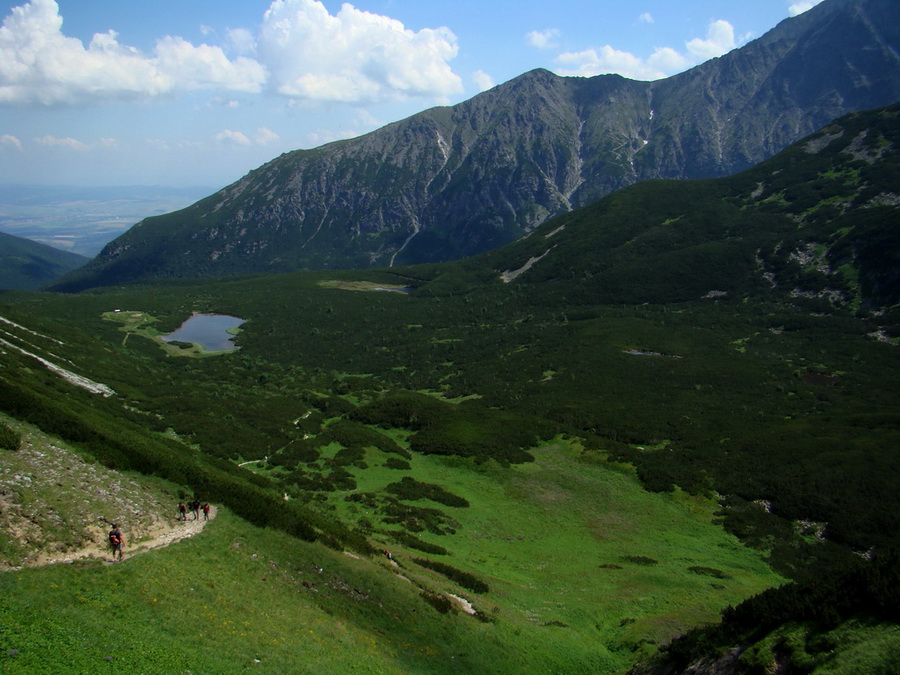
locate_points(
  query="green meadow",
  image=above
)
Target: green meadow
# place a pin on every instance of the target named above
(565, 546)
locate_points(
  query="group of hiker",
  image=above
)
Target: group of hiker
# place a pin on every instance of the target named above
(117, 541)
(195, 508)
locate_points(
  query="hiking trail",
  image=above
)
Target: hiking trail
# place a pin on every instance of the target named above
(58, 507)
(158, 537)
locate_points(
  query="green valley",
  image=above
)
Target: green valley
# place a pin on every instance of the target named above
(575, 448)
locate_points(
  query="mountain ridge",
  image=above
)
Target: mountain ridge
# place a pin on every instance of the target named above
(824, 204)
(452, 182)
(29, 265)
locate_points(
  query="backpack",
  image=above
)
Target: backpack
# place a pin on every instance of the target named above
(114, 538)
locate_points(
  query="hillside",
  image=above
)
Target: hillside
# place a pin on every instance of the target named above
(236, 595)
(599, 437)
(817, 222)
(28, 265)
(452, 182)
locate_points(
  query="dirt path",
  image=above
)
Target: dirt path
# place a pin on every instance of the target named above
(158, 537)
(56, 507)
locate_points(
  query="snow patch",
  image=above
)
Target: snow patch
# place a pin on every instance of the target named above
(74, 378)
(464, 604)
(511, 275)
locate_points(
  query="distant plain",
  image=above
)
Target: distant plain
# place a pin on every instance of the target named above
(84, 219)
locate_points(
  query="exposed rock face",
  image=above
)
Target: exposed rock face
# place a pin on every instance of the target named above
(451, 182)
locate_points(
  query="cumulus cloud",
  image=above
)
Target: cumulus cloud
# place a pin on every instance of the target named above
(301, 51)
(353, 56)
(266, 136)
(39, 64)
(543, 39)
(263, 136)
(719, 40)
(482, 80)
(663, 62)
(646, 17)
(800, 7)
(590, 62)
(242, 40)
(10, 140)
(229, 136)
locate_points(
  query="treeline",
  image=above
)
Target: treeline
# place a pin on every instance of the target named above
(867, 591)
(834, 470)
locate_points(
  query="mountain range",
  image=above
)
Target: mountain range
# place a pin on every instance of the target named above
(728, 344)
(455, 181)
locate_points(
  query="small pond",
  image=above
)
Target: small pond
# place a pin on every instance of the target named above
(211, 331)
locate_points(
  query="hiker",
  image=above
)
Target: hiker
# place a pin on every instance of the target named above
(206, 511)
(195, 507)
(116, 541)
(182, 511)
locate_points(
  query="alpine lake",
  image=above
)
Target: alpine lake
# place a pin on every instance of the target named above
(199, 335)
(213, 332)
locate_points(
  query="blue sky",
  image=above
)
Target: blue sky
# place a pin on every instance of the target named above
(199, 92)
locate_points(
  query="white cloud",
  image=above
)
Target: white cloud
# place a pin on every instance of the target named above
(367, 119)
(55, 142)
(606, 60)
(719, 40)
(301, 51)
(39, 64)
(543, 39)
(8, 139)
(353, 56)
(263, 136)
(663, 62)
(203, 66)
(646, 17)
(229, 136)
(241, 40)
(266, 136)
(482, 80)
(667, 61)
(800, 7)
(364, 122)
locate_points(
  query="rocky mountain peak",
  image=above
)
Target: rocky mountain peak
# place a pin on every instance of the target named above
(454, 181)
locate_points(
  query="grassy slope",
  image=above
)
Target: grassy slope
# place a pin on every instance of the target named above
(537, 535)
(44, 488)
(540, 534)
